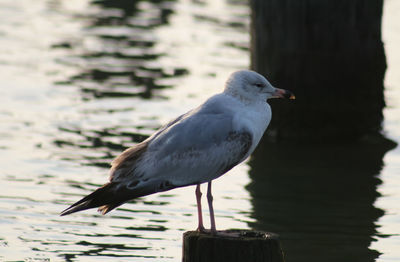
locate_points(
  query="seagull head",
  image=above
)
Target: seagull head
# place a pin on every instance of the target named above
(250, 85)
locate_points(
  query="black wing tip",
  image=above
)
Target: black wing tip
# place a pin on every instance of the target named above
(111, 195)
(103, 197)
(73, 209)
(82, 204)
(65, 212)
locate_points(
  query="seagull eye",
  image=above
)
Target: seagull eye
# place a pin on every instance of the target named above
(259, 85)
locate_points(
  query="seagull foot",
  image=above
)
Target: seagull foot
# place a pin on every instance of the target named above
(206, 231)
(201, 229)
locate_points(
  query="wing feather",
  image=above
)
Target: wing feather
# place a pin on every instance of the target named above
(196, 147)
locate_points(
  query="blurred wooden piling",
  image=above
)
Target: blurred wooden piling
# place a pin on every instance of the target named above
(331, 56)
(244, 246)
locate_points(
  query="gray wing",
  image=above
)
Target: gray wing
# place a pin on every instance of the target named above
(125, 164)
(194, 148)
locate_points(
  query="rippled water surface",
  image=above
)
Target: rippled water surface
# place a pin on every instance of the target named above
(82, 80)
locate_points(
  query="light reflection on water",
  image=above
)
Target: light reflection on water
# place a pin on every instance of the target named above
(83, 80)
(79, 95)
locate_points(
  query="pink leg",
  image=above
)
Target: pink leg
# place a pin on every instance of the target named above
(199, 212)
(210, 206)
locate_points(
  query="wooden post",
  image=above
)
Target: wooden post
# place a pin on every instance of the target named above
(330, 54)
(240, 246)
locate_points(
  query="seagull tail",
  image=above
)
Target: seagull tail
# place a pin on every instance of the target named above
(114, 194)
(106, 198)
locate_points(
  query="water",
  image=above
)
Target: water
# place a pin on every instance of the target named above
(82, 80)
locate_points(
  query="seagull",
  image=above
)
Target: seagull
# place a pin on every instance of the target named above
(195, 148)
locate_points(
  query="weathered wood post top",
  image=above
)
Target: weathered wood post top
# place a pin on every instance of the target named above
(231, 245)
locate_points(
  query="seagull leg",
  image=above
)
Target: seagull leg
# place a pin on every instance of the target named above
(200, 228)
(210, 206)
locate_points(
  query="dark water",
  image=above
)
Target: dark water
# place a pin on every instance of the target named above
(319, 198)
(82, 80)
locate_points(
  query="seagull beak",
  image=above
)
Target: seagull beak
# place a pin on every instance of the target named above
(282, 93)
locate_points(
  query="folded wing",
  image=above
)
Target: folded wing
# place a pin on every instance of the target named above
(194, 148)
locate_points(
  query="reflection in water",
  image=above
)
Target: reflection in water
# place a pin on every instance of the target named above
(319, 198)
(119, 55)
(105, 141)
(118, 59)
